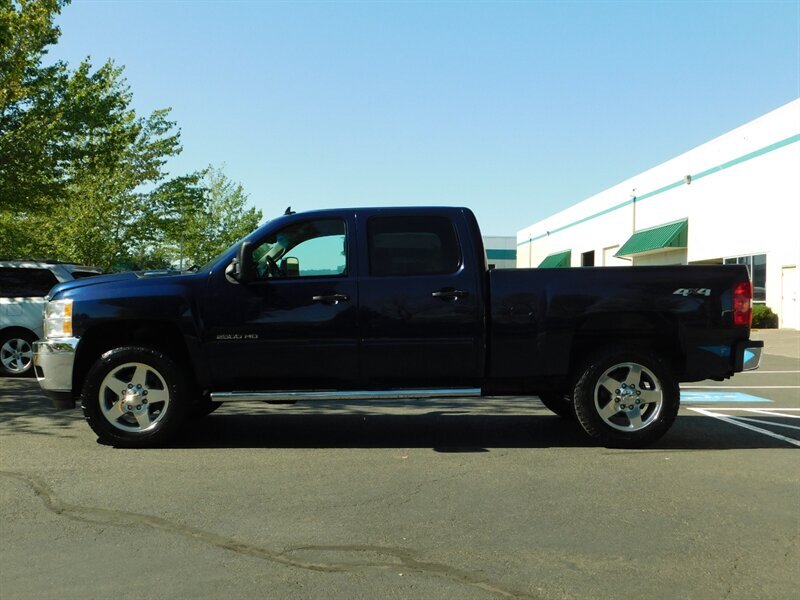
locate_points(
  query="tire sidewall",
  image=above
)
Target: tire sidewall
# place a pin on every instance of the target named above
(593, 423)
(176, 410)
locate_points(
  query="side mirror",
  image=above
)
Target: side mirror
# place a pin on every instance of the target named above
(244, 269)
(290, 267)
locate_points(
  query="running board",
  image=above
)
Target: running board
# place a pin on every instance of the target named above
(295, 396)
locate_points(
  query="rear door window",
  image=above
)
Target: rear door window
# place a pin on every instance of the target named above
(82, 274)
(412, 246)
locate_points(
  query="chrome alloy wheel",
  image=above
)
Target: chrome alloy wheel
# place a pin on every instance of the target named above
(628, 397)
(134, 397)
(16, 355)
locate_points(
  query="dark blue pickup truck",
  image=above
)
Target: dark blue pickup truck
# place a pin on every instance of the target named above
(389, 303)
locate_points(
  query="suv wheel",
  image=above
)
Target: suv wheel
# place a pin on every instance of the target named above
(16, 353)
(135, 397)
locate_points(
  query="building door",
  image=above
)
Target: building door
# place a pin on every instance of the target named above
(790, 308)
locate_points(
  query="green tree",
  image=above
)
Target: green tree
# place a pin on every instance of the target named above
(74, 156)
(201, 214)
(82, 177)
(37, 118)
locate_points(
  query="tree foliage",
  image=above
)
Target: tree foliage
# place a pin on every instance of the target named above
(82, 176)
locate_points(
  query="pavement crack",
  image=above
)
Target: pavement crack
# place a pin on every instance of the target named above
(350, 557)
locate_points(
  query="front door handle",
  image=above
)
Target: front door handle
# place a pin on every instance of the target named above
(331, 299)
(450, 294)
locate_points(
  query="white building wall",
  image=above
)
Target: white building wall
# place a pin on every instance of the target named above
(501, 251)
(743, 198)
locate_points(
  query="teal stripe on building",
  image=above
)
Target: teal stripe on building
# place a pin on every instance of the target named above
(726, 165)
(501, 254)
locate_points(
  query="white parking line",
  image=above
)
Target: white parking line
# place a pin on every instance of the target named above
(733, 421)
(773, 413)
(758, 372)
(741, 387)
(749, 420)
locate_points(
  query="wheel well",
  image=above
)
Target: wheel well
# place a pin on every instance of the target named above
(18, 330)
(665, 345)
(161, 336)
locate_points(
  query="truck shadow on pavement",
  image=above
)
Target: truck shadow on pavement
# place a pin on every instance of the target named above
(24, 409)
(453, 426)
(443, 432)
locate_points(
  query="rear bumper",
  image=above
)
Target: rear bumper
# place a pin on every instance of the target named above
(747, 355)
(53, 361)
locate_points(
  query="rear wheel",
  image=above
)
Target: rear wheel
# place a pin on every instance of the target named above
(16, 353)
(626, 397)
(135, 397)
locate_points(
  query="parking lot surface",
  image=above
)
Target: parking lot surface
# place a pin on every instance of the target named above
(430, 499)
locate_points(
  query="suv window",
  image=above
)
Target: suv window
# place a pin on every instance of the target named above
(25, 282)
(308, 249)
(412, 246)
(82, 274)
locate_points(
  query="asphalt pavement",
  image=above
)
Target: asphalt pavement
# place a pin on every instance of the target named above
(432, 499)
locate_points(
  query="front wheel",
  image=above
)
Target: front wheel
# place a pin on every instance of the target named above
(135, 397)
(626, 397)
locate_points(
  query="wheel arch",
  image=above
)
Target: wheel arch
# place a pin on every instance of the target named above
(654, 332)
(17, 329)
(159, 335)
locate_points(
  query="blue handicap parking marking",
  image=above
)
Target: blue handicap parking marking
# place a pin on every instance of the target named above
(721, 397)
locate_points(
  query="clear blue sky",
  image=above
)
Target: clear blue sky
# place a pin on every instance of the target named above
(516, 110)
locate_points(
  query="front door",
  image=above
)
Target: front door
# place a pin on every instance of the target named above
(294, 326)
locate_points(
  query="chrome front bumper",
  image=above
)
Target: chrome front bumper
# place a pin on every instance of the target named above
(53, 361)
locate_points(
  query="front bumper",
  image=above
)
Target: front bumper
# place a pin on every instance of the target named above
(747, 354)
(53, 361)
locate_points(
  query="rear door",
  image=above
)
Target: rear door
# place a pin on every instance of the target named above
(421, 314)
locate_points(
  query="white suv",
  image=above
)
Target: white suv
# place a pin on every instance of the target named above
(23, 287)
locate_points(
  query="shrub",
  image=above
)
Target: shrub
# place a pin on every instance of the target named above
(763, 317)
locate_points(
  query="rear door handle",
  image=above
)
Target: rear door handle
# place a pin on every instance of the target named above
(450, 294)
(331, 299)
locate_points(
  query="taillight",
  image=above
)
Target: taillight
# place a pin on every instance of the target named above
(743, 304)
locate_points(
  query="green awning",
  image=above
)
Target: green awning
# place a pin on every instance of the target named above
(671, 235)
(557, 260)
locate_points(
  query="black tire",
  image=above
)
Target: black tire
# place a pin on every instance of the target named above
(135, 397)
(626, 397)
(16, 353)
(560, 403)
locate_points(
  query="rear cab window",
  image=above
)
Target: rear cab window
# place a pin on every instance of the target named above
(412, 245)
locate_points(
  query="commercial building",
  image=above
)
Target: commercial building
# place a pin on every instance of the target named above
(735, 199)
(501, 251)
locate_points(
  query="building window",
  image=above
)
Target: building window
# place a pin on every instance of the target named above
(757, 267)
(587, 259)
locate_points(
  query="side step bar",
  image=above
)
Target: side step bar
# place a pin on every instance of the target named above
(296, 396)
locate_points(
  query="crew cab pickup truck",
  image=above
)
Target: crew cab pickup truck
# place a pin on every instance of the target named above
(389, 303)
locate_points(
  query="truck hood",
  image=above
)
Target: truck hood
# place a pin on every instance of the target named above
(112, 279)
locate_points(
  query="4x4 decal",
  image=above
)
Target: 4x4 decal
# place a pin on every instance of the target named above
(692, 292)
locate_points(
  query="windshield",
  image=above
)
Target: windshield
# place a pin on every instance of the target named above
(213, 261)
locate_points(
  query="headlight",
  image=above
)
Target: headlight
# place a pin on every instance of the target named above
(58, 319)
